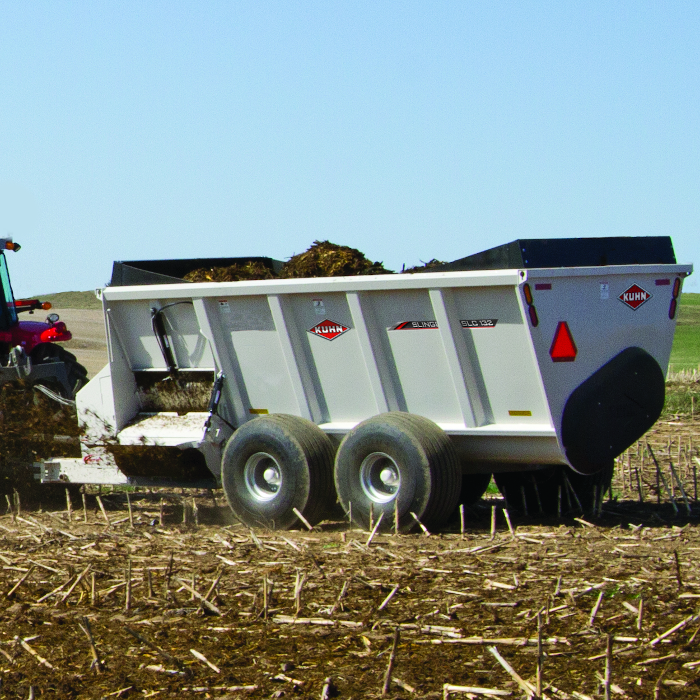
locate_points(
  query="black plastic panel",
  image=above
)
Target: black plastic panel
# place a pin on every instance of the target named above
(612, 409)
(527, 253)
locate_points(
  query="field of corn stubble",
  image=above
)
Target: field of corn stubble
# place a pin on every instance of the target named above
(151, 593)
(157, 594)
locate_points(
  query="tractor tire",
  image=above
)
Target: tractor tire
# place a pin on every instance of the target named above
(77, 374)
(537, 492)
(275, 464)
(398, 461)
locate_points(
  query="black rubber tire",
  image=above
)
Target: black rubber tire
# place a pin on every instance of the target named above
(541, 489)
(418, 452)
(302, 457)
(77, 374)
(473, 488)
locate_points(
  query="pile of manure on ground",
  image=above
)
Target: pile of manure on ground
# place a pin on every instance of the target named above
(32, 426)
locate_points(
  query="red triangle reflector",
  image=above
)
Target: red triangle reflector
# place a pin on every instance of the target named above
(563, 347)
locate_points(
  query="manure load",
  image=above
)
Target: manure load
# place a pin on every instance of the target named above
(396, 395)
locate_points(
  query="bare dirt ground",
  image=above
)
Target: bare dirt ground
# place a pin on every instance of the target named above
(88, 344)
(213, 610)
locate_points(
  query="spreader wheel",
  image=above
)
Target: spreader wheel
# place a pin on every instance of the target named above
(473, 488)
(275, 464)
(397, 462)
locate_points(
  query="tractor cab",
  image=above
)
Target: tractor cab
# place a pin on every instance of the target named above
(8, 312)
(26, 334)
(26, 347)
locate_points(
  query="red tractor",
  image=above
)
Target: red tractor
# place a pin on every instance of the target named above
(27, 348)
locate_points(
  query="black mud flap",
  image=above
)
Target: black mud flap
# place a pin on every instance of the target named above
(612, 409)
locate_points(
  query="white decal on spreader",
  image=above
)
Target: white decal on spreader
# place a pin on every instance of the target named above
(319, 307)
(479, 323)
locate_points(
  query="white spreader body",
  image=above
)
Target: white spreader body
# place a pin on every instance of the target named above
(491, 356)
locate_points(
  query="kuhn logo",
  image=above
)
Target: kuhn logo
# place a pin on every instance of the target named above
(329, 329)
(634, 296)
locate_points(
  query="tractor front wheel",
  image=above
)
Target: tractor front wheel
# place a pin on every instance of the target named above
(47, 353)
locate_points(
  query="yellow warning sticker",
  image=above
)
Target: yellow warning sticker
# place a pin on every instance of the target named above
(258, 411)
(519, 413)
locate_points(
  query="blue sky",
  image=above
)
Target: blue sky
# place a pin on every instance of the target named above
(143, 130)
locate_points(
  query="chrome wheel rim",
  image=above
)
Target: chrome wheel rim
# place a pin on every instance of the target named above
(263, 476)
(380, 477)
